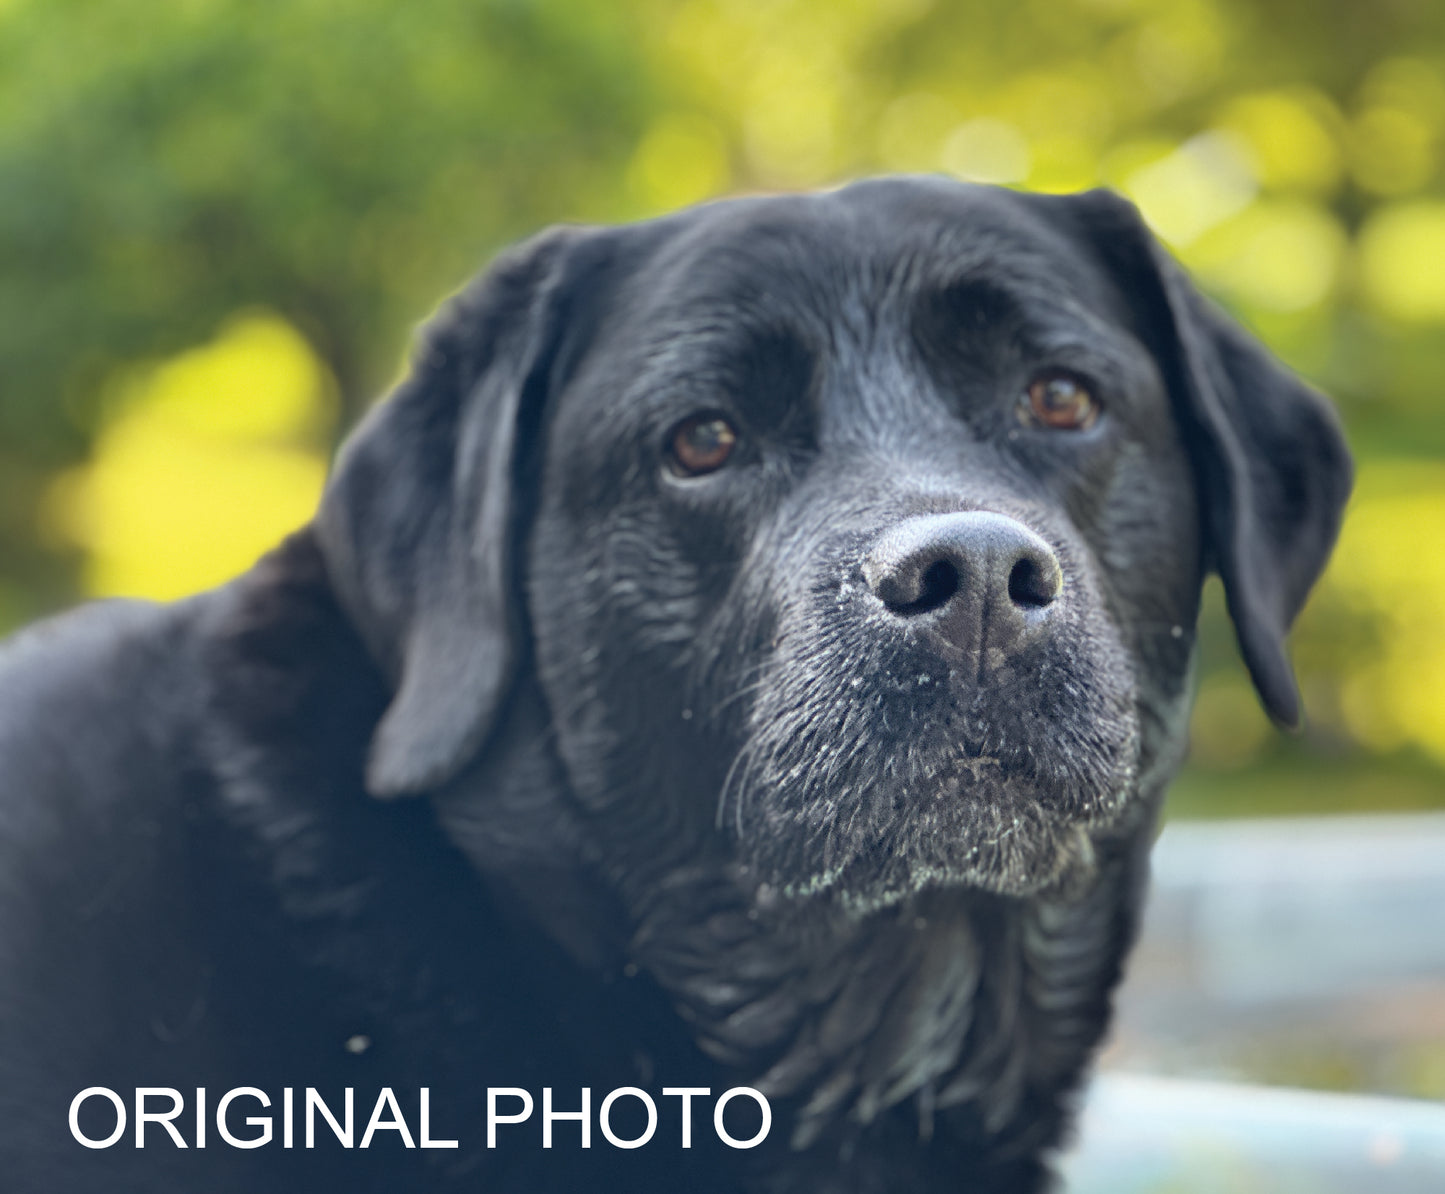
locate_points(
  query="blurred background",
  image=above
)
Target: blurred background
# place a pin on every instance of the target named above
(220, 220)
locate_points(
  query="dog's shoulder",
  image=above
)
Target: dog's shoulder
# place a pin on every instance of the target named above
(91, 705)
(95, 706)
(129, 732)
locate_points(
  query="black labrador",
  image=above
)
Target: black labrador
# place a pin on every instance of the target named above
(748, 651)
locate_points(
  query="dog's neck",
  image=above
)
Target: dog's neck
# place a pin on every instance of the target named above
(951, 1005)
(951, 1002)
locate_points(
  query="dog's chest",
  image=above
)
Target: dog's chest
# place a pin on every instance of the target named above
(952, 1013)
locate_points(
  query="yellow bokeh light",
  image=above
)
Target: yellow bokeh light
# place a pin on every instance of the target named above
(1178, 51)
(1400, 252)
(1388, 569)
(987, 150)
(683, 158)
(203, 464)
(1410, 84)
(1277, 255)
(1071, 100)
(912, 130)
(791, 115)
(1291, 139)
(1063, 164)
(1186, 193)
(1392, 151)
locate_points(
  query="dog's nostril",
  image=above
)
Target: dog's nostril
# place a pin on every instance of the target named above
(939, 582)
(1032, 585)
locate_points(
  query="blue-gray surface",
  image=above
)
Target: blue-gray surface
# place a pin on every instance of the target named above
(1150, 1135)
(1273, 951)
(1298, 909)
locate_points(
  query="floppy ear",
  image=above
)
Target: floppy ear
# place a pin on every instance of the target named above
(1268, 451)
(418, 522)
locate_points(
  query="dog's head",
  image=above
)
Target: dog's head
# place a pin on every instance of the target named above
(857, 534)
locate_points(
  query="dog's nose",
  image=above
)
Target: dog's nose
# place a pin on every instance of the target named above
(984, 581)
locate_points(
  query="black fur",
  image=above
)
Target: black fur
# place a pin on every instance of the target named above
(696, 807)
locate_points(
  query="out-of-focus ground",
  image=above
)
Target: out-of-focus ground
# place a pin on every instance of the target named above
(1276, 954)
(1306, 952)
(1147, 1135)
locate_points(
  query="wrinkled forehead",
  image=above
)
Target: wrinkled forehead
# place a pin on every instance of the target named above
(864, 258)
(765, 295)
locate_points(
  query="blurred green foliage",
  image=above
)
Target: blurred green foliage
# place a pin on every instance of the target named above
(164, 164)
(187, 186)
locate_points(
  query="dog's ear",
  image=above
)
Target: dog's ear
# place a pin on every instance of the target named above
(418, 523)
(1268, 452)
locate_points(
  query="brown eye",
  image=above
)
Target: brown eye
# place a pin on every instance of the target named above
(702, 445)
(1058, 402)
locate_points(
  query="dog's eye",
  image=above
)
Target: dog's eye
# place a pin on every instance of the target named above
(1059, 402)
(701, 445)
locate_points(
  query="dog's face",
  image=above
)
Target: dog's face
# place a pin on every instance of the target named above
(859, 534)
(862, 519)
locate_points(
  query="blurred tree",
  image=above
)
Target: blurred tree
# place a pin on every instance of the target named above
(164, 164)
(199, 194)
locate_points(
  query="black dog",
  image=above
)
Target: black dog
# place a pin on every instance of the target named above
(784, 612)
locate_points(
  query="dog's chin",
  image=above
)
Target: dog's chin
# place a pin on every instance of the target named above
(1002, 838)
